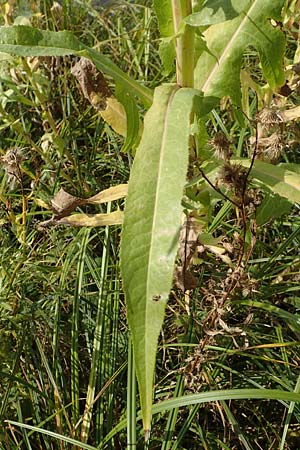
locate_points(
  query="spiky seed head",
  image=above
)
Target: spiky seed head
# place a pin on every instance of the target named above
(233, 175)
(269, 117)
(221, 146)
(270, 148)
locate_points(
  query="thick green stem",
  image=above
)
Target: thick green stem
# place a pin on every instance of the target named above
(184, 43)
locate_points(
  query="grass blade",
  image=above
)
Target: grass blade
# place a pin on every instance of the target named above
(57, 436)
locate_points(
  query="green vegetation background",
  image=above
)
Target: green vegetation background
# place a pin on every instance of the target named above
(57, 283)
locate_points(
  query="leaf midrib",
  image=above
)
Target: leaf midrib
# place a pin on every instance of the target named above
(224, 53)
(161, 159)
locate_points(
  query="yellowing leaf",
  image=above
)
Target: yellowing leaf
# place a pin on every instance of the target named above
(115, 116)
(93, 220)
(41, 203)
(63, 204)
(110, 194)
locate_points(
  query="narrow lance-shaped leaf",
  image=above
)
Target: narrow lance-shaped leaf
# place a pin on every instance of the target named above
(151, 226)
(218, 73)
(23, 40)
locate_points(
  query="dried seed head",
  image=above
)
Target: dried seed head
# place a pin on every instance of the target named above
(269, 117)
(234, 176)
(270, 148)
(252, 200)
(11, 162)
(221, 146)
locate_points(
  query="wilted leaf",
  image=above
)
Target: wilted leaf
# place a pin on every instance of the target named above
(92, 83)
(92, 220)
(28, 41)
(95, 88)
(63, 204)
(114, 114)
(110, 194)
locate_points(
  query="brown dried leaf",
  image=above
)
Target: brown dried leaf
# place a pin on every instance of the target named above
(188, 241)
(63, 203)
(95, 88)
(184, 280)
(92, 82)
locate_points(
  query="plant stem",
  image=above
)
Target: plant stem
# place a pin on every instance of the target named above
(184, 43)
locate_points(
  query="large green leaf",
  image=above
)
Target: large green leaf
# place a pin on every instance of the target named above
(218, 73)
(151, 226)
(27, 41)
(215, 11)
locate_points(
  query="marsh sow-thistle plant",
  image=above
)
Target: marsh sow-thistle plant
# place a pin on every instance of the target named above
(203, 43)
